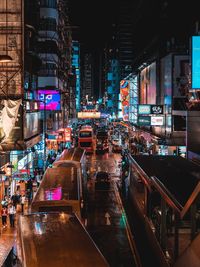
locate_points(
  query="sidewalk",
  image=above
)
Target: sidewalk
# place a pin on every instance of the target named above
(8, 236)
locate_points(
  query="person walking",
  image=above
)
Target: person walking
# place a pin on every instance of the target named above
(15, 199)
(23, 199)
(11, 213)
(4, 215)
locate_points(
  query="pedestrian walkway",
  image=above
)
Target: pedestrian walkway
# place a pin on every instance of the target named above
(7, 242)
(8, 236)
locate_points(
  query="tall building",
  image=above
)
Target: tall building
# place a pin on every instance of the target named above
(113, 82)
(55, 52)
(124, 37)
(76, 72)
(87, 77)
(20, 127)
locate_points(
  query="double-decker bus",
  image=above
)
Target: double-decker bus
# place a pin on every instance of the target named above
(86, 138)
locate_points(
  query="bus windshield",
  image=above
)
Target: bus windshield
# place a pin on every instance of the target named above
(85, 134)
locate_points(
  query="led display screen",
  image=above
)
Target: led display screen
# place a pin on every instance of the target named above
(195, 62)
(148, 85)
(144, 109)
(50, 99)
(53, 194)
(156, 109)
(125, 98)
(144, 120)
(157, 120)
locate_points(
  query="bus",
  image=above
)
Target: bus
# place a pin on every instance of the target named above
(86, 138)
(62, 187)
(56, 239)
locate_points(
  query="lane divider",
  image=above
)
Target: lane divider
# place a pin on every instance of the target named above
(128, 229)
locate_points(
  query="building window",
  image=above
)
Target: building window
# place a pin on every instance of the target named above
(48, 3)
(48, 24)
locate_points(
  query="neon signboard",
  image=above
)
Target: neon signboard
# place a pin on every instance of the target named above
(195, 62)
(53, 194)
(157, 120)
(50, 99)
(144, 109)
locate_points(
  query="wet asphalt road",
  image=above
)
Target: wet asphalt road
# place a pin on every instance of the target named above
(106, 220)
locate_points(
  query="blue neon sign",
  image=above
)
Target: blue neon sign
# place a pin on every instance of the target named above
(195, 62)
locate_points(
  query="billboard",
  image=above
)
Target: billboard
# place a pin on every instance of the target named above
(124, 96)
(157, 120)
(150, 109)
(144, 109)
(31, 124)
(181, 75)
(49, 99)
(10, 122)
(144, 120)
(156, 109)
(166, 79)
(195, 53)
(148, 85)
(89, 115)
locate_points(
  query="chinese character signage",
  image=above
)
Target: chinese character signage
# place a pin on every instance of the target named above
(144, 120)
(156, 109)
(144, 109)
(150, 109)
(157, 120)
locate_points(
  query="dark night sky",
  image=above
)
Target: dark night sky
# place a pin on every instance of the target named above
(95, 20)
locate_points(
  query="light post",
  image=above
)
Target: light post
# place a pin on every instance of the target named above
(9, 168)
(43, 100)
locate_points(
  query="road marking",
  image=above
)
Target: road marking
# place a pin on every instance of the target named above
(107, 216)
(128, 229)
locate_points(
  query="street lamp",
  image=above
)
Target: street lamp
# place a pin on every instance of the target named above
(5, 58)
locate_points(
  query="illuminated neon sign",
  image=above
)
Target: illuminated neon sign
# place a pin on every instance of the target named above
(195, 62)
(49, 99)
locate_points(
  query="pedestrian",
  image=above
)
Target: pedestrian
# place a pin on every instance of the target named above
(11, 213)
(15, 199)
(23, 199)
(4, 202)
(38, 179)
(4, 215)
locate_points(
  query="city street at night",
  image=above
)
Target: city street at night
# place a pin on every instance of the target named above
(99, 133)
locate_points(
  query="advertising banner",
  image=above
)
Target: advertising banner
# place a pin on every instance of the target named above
(156, 109)
(157, 120)
(49, 99)
(10, 122)
(144, 109)
(181, 82)
(150, 109)
(89, 115)
(148, 85)
(31, 124)
(124, 96)
(144, 120)
(195, 62)
(166, 79)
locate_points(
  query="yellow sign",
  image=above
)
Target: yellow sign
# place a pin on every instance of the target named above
(89, 115)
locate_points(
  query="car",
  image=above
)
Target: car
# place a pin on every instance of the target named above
(102, 141)
(116, 145)
(102, 180)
